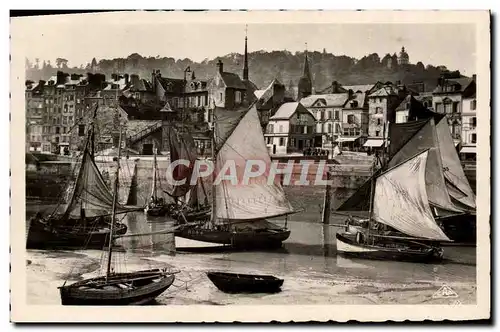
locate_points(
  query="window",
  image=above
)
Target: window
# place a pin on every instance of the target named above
(330, 115)
(269, 140)
(455, 107)
(57, 130)
(350, 119)
(377, 133)
(378, 110)
(330, 128)
(281, 129)
(199, 101)
(270, 128)
(305, 130)
(473, 105)
(282, 141)
(81, 130)
(322, 117)
(337, 115)
(237, 96)
(473, 138)
(379, 122)
(425, 104)
(220, 96)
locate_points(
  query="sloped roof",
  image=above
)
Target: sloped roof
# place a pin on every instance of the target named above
(176, 85)
(362, 88)
(142, 85)
(464, 82)
(359, 97)
(385, 91)
(336, 99)
(232, 80)
(259, 93)
(286, 111)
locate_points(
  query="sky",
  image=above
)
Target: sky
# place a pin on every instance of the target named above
(79, 38)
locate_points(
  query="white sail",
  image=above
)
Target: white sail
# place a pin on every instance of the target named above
(400, 200)
(257, 199)
(456, 182)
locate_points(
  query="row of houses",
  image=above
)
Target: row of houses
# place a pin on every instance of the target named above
(354, 117)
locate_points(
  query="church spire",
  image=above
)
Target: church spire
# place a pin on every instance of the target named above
(307, 72)
(245, 67)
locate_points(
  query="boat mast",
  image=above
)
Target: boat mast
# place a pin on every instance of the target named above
(113, 214)
(154, 173)
(214, 163)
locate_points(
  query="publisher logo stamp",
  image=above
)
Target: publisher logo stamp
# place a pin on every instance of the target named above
(445, 292)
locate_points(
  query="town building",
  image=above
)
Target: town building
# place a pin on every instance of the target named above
(291, 129)
(382, 106)
(269, 100)
(403, 58)
(34, 116)
(469, 127)
(411, 109)
(451, 97)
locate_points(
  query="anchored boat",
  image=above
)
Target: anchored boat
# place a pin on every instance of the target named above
(239, 209)
(134, 288)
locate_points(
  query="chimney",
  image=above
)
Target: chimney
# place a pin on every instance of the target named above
(335, 87)
(193, 77)
(474, 77)
(220, 66)
(134, 79)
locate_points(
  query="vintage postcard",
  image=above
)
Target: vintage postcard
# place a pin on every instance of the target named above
(250, 166)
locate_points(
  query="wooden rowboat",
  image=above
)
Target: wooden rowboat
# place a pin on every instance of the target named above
(245, 283)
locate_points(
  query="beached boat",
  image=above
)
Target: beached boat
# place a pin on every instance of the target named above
(401, 225)
(245, 283)
(134, 288)
(447, 190)
(156, 206)
(239, 211)
(84, 221)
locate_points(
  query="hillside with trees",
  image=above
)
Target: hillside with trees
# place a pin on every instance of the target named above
(264, 67)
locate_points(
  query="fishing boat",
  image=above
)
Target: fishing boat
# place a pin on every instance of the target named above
(239, 211)
(401, 225)
(133, 288)
(245, 283)
(448, 192)
(157, 205)
(84, 221)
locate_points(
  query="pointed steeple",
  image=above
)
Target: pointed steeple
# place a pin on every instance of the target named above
(305, 82)
(307, 72)
(245, 68)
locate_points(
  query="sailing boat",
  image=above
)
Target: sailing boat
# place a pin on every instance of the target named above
(157, 205)
(239, 211)
(85, 220)
(134, 288)
(191, 201)
(401, 225)
(449, 194)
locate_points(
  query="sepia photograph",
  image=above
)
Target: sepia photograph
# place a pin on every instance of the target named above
(301, 164)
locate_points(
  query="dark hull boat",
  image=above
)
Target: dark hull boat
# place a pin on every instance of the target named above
(157, 211)
(245, 283)
(250, 238)
(84, 219)
(349, 247)
(238, 211)
(135, 288)
(43, 236)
